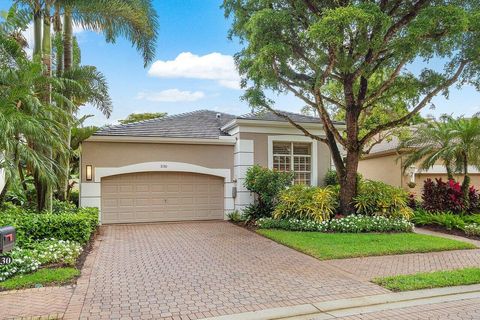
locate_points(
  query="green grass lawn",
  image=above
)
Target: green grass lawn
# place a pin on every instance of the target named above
(44, 277)
(347, 245)
(430, 280)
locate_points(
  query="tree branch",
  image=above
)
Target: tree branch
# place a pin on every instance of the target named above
(419, 106)
(296, 125)
(384, 87)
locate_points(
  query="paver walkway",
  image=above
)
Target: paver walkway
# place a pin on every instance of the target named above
(372, 267)
(46, 302)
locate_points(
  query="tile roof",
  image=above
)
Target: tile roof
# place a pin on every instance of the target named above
(270, 116)
(204, 124)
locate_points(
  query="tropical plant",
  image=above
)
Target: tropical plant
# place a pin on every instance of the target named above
(380, 199)
(28, 125)
(429, 144)
(439, 195)
(305, 202)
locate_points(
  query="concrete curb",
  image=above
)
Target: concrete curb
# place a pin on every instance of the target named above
(345, 307)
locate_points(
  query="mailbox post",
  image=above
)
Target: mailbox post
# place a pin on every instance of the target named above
(7, 239)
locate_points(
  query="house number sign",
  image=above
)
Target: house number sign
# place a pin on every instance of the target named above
(5, 260)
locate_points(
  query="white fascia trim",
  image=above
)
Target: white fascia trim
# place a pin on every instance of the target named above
(294, 138)
(161, 166)
(222, 140)
(439, 169)
(233, 126)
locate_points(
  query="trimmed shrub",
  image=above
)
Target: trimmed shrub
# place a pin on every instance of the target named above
(376, 198)
(266, 184)
(31, 227)
(309, 203)
(350, 224)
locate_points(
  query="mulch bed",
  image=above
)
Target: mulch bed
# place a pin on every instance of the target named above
(455, 232)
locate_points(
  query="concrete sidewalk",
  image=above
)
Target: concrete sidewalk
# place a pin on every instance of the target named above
(385, 306)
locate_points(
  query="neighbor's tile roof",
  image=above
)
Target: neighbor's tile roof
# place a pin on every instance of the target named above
(197, 124)
(270, 116)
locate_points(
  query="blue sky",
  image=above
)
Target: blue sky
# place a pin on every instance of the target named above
(191, 82)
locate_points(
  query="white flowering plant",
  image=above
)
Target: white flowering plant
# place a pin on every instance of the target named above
(41, 253)
(472, 229)
(349, 224)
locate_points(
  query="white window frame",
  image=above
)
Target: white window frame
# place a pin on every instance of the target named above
(301, 139)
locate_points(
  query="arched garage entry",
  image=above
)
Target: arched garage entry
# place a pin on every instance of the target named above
(134, 193)
(161, 196)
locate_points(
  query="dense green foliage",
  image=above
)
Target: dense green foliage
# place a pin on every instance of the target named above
(349, 224)
(305, 202)
(437, 279)
(447, 220)
(348, 245)
(381, 199)
(266, 184)
(43, 277)
(31, 226)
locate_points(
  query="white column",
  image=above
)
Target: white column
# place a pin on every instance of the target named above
(243, 160)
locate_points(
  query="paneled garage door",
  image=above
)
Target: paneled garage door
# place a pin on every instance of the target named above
(161, 196)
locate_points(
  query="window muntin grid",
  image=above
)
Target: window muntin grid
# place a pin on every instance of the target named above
(296, 157)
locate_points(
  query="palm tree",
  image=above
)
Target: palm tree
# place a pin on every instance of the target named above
(466, 148)
(135, 20)
(27, 125)
(455, 142)
(429, 144)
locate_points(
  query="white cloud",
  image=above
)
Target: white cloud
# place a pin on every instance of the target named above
(213, 66)
(171, 95)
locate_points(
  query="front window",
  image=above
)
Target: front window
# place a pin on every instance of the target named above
(296, 157)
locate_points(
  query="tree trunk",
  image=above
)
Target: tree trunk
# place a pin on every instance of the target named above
(68, 40)
(37, 28)
(348, 184)
(47, 61)
(466, 182)
(67, 65)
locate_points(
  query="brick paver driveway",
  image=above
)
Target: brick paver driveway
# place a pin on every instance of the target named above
(197, 270)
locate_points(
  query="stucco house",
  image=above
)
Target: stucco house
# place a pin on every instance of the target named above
(192, 166)
(385, 163)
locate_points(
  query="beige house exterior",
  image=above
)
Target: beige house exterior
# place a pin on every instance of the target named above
(192, 166)
(385, 163)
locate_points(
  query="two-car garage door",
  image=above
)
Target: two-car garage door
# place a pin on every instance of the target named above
(161, 196)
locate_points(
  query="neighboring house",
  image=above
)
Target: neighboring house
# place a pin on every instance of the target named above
(192, 166)
(385, 163)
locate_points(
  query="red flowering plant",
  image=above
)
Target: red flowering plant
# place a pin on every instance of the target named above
(445, 196)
